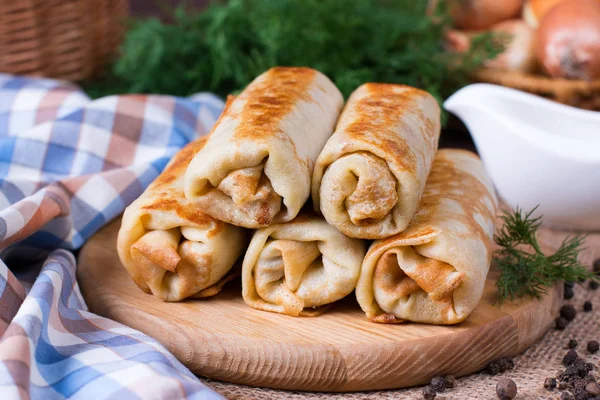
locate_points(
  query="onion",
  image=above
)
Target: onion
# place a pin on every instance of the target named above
(482, 14)
(568, 40)
(457, 41)
(519, 54)
(534, 10)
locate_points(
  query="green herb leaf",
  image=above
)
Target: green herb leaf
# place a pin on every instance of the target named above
(525, 270)
(228, 44)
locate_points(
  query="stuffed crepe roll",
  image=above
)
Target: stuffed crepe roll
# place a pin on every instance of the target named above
(296, 267)
(369, 177)
(256, 167)
(171, 249)
(435, 271)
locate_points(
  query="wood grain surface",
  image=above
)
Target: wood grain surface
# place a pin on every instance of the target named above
(341, 350)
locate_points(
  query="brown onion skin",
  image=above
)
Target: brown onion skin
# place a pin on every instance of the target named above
(534, 10)
(520, 51)
(519, 54)
(456, 41)
(568, 40)
(481, 14)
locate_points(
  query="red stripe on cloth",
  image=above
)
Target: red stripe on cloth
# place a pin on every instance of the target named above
(126, 131)
(120, 179)
(50, 104)
(15, 354)
(10, 300)
(39, 215)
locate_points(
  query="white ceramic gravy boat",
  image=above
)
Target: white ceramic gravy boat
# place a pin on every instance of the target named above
(536, 152)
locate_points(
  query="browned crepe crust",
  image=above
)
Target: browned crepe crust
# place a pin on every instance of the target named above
(435, 270)
(217, 287)
(255, 169)
(299, 267)
(369, 177)
(170, 248)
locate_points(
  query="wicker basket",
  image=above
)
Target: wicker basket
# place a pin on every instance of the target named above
(66, 39)
(577, 93)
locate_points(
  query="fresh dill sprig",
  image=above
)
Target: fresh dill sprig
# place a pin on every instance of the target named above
(524, 269)
(223, 47)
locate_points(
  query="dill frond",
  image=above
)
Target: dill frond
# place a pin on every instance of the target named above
(525, 270)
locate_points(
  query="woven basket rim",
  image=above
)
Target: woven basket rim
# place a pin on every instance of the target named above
(63, 39)
(533, 82)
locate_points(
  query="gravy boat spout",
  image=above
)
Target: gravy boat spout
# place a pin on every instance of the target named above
(536, 151)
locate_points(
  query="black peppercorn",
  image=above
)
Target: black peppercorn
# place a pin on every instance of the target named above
(506, 364)
(568, 293)
(580, 394)
(562, 385)
(572, 344)
(566, 396)
(568, 312)
(593, 285)
(428, 393)
(438, 384)
(592, 389)
(493, 368)
(587, 306)
(506, 389)
(500, 365)
(570, 358)
(593, 346)
(450, 381)
(589, 367)
(561, 323)
(569, 284)
(576, 377)
(550, 383)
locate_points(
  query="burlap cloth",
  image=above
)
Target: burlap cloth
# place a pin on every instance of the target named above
(540, 361)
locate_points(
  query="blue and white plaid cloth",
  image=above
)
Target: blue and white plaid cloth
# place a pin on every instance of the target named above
(69, 165)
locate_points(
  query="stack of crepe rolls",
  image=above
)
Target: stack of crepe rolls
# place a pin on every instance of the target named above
(171, 249)
(435, 271)
(256, 167)
(296, 267)
(376, 177)
(369, 178)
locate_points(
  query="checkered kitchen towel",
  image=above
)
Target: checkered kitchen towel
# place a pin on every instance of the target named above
(69, 165)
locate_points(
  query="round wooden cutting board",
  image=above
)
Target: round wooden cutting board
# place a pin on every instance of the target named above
(341, 350)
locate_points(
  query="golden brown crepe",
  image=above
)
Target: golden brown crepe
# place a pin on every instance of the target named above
(296, 267)
(171, 249)
(256, 167)
(369, 177)
(435, 271)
